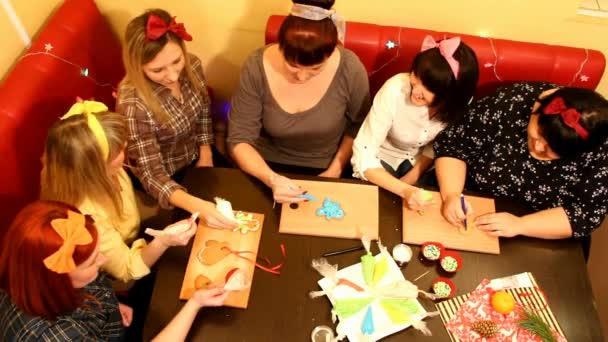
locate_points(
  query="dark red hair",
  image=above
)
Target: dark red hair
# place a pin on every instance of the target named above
(308, 42)
(30, 238)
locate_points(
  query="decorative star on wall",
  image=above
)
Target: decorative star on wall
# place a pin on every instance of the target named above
(584, 78)
(390, 44)
(83, 71)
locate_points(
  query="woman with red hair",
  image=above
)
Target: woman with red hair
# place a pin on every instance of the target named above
(50, 286)
(299, 103)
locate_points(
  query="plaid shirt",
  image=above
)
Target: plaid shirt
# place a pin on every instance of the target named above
(94, 321)
(158, 150)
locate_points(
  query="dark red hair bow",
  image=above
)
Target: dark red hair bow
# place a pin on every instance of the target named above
(157, 27)
(570, 116)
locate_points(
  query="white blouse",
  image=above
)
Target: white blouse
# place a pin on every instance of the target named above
(394, 130)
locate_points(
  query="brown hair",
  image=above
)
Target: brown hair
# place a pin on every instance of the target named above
(139, 50)
(73, 165)
(563, 139)
(452, 94)
(308, 42)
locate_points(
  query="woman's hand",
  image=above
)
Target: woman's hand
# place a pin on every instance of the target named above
(452, 210)
(416, 198)
(205, 157)
(331, 172)
(204, 162)
(178, 233)
(126, 313)
(213, 218)
(210, 297)
(284, 190)
(500, 224)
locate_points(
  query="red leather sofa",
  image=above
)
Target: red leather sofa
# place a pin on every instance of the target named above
(40, 88)
(500, 60)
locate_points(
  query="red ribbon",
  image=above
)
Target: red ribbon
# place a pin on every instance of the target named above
(271, 269)
(570, 116)
(157, 27)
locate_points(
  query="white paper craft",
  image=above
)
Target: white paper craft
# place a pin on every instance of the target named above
(383, 325)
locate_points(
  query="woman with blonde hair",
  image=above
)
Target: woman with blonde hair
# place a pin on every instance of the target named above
(83, 161)
(165, 100)
(82, 167)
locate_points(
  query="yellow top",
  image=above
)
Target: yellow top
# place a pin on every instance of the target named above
(115, 234)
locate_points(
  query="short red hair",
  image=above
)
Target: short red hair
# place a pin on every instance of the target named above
(307, 42)
(30, 238)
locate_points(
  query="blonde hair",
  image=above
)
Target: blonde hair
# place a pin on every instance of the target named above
(139, 51)
(73, 164)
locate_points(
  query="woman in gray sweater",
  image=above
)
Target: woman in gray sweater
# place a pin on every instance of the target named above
(299, 103)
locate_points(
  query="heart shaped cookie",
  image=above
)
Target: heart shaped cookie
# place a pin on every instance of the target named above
(213, 252)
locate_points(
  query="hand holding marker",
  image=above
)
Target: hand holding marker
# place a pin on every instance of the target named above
(464, 210)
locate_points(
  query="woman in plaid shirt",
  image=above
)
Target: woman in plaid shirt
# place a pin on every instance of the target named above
(165, 100)
(50, 288)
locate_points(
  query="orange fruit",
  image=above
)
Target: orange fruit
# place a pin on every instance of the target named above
(503, 302)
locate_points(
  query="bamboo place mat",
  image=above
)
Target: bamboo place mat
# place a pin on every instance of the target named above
(528, 296)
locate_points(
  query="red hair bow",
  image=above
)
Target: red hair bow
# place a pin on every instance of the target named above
(570, 116)
(156, 28)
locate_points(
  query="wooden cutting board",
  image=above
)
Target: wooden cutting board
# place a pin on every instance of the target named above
(431, 226)
(217, 272)
(359, 203)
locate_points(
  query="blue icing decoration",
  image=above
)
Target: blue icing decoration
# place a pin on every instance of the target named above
(330, 210)
(367, 327)
(308, 197)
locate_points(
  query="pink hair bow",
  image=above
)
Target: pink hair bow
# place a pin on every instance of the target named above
(447, 47)
(570, 116)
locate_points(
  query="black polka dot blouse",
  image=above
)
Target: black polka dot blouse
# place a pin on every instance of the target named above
(492, 140)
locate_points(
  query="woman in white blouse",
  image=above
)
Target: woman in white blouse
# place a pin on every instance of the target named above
(394, 145)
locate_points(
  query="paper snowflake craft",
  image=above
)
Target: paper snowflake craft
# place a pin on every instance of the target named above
(330, 209)
(371, 299)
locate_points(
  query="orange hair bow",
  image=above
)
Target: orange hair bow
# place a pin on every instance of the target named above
(73, 232)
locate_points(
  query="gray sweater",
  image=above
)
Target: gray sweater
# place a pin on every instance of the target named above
(309, 138)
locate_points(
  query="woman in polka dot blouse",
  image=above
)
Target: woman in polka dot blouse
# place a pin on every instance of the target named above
(535, 144)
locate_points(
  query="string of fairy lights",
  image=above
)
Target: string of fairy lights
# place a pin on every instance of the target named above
(394, 45)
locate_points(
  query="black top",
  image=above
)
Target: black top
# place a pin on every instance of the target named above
(493, 141)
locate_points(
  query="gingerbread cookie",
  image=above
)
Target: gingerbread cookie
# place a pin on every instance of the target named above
(202, 282)
(213, 252)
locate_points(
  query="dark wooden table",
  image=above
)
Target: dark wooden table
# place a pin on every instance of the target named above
(279, 306)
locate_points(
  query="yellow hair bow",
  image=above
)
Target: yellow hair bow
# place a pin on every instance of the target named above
(89, 108)
(73, 232)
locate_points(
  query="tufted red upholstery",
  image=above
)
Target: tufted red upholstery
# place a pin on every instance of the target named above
(500, 60)
(41, 88)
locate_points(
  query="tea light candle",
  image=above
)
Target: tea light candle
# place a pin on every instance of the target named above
(402, 254)
(322, 333)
